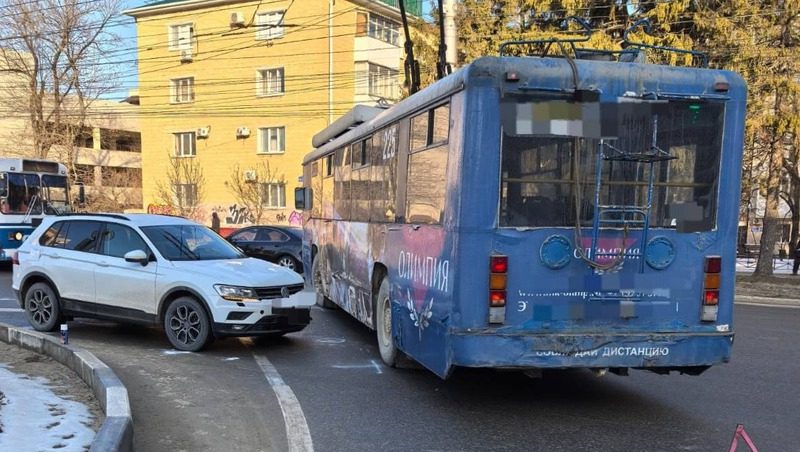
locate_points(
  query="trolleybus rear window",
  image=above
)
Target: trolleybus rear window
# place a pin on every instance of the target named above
(550, 148)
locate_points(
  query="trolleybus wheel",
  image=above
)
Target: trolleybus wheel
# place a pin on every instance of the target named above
(319, 284)
(383, 326)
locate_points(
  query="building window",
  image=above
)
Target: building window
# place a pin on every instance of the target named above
(271, 140)
(384, 29)
(273, 195)
(182, 90)
(185, 144)
(180, 37)
(186, 194)
(269, 25)
(376, 80)
(270, 82)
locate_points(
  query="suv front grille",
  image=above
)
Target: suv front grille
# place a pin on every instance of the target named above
(275, 291)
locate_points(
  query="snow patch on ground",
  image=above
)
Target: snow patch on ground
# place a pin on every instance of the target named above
(33, 418)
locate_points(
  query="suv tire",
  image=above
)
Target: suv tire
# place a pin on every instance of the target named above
(42, 307)
(186, 325)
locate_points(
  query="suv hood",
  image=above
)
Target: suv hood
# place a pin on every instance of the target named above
(247, 272)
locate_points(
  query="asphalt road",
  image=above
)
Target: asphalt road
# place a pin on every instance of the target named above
(221, 399)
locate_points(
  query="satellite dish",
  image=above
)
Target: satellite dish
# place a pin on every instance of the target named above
(632, 7)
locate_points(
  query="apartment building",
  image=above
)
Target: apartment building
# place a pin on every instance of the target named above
(233, 87)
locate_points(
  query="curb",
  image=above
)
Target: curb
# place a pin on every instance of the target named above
(767, 301)
(116, 433)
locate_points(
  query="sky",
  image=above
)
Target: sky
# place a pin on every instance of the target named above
(125, 28)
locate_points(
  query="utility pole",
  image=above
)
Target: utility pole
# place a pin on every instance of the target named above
(450, 40)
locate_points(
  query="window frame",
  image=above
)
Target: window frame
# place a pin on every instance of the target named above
(377, 27)
(173, 36)
(372, 81)
(261, 142)
(266, 195)
(178, 144)
(262, 82)
(175, 87)
(179, 193)
(275, 30)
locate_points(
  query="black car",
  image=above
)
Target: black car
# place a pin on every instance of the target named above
(277, 244)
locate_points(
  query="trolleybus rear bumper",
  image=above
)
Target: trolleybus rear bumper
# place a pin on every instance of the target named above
(670, 351)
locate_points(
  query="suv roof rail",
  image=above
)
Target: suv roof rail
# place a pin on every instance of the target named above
(92, 214)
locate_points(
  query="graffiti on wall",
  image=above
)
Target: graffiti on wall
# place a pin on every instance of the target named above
(235, 214)
(295, 218)
(239, 215)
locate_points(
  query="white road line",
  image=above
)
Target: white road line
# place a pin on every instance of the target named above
(297, 432)
(11, 310)
(372, 365)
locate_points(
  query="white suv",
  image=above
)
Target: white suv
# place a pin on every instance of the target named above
(156, 270)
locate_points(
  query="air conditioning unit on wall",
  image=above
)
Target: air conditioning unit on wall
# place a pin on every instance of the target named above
(202, 132)
(250, 176)
(237, 20)
(242, 132)
(186, 56)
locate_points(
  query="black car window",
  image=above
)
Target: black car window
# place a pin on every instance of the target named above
(83, 235)
(272, 235)
(50, 235)
(118, 240)
(245, 235)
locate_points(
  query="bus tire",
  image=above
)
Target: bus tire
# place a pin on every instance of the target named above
(319, 284)
(383, 325)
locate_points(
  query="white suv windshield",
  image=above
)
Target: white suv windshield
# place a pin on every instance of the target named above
(190, 243)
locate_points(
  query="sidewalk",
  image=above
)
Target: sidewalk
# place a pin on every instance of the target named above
(780, 289)
(84, 400)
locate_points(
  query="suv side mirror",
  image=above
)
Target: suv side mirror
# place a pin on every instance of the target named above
(302, 198)
(137, 256)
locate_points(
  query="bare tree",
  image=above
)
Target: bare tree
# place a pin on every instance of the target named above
(184, 188)
(117, 192)
(249, 187)
(56, 51)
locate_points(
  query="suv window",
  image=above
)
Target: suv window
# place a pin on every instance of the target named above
(190, 243)
(118, 240)
(50, 235)
(82, 235)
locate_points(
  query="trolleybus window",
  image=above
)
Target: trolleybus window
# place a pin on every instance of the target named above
(540, 170)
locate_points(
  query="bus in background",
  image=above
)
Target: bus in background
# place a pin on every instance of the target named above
(29, 190)
(535, 213)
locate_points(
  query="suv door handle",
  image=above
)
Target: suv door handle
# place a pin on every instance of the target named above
(102, 263)
(52, 256)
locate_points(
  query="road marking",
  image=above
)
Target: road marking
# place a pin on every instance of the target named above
(372, 365)
(11, 310)
(297, 432)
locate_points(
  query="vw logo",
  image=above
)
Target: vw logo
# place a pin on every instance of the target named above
(285, 292)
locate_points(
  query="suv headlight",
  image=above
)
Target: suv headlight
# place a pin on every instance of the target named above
(235, 293)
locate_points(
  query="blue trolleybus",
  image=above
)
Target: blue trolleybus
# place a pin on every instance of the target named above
(536, 213)
(29, 189)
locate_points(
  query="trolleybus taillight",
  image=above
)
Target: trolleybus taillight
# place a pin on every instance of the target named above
(711, 284)
(498, 279)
